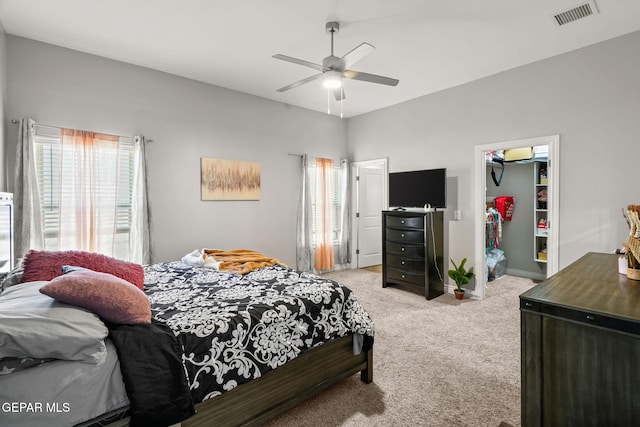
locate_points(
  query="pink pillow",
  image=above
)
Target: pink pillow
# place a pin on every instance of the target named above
(113, 299)
(45, 265)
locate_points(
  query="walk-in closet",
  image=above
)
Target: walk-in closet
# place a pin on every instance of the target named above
(516, 219)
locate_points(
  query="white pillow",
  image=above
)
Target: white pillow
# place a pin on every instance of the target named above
(35, 325)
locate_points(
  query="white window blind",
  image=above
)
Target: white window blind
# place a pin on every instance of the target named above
(108, 188)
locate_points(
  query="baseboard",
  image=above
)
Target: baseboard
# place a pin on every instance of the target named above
(522, 273)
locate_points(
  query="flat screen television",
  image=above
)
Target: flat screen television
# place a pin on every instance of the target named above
(415, 189)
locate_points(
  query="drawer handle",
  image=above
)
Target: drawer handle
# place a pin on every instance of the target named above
(528, 304)
(402, 249)
(402, 234)
(402, 221)
(591, 318)
(403, 276)
(402, 262)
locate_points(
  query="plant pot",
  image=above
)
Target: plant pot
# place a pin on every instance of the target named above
(459, 294)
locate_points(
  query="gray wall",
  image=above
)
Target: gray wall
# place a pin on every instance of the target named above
(187, 120)
(590, 97)
(3, 96)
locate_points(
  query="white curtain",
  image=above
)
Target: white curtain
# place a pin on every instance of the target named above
(304, 232)
(26, 199)
(81, 191)
(140, 235)
(344, 241)
(316, 235)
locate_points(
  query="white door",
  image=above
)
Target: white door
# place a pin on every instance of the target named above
(371, 199)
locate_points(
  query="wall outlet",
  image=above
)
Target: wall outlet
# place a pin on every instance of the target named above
(457, 215)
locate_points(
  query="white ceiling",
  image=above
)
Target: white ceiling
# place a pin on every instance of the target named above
(429, 45)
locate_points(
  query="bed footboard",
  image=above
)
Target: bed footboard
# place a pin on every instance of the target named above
(281, 389)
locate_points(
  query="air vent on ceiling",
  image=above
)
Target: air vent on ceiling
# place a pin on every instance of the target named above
(578, 12)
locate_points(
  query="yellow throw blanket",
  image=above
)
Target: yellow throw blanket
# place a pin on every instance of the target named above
(240, 261)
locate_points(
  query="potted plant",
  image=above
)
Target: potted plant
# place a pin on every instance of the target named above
(461, 277)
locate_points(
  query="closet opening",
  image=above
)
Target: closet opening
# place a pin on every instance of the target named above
(516, 213)
(516, 202)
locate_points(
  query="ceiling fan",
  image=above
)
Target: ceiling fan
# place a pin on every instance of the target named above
(334, 69)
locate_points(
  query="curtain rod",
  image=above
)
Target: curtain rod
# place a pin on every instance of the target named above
(300, 155)
(14, 121)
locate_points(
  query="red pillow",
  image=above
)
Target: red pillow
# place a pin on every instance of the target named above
(113, 299)
(45, 265)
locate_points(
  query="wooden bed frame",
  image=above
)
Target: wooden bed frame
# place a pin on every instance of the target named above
(258, 401)
(281, 389)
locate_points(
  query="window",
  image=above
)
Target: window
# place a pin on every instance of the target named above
(337, 203)
(6, 232)
(85, 191)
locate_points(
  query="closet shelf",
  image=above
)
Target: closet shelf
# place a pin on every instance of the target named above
(539, 214)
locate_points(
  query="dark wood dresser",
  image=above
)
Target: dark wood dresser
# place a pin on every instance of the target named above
(412, 248)
(581, 347)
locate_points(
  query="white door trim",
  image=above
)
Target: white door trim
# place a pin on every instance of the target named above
(553, 141)
(384, 162)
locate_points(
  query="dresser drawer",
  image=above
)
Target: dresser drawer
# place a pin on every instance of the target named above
(397, 274)
(405, 250)
(404, 263)
(408, 236)
(405, 221)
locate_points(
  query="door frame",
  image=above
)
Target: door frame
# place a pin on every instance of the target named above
(384, 162)
(553, 142)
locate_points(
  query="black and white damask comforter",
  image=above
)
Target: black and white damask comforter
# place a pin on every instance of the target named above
(234, 328)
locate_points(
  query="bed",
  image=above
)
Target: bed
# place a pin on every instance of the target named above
(250, 346)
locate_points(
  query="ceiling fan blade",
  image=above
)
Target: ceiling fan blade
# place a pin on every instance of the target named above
(372, 78)
(300, 62)
(357, 54)
(339, 93)
(300, 82)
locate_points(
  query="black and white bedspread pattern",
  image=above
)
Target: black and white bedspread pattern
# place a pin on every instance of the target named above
(234, 328)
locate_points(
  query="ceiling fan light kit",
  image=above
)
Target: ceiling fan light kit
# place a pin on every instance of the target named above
(332, 80)
(334, 69)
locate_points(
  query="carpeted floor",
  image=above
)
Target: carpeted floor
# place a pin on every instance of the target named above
(441, 362)
(374, 268)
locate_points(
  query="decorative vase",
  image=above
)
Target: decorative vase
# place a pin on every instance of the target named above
(633, 267)
(459, 294)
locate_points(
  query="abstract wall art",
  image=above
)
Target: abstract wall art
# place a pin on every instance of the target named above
(222, 179)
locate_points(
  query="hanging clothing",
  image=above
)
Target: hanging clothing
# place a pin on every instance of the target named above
(493, 228)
